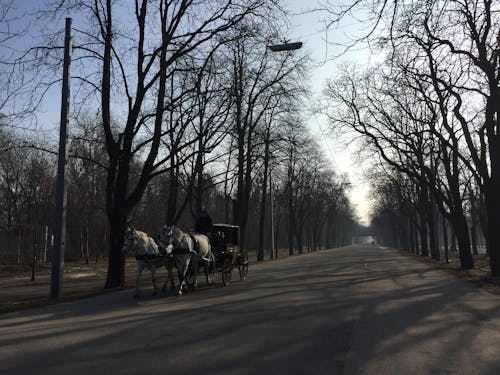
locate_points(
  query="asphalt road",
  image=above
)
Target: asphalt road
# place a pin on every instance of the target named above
(354, 310)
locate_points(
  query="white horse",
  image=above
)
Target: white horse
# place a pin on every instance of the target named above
(188, 251)
(147, 255)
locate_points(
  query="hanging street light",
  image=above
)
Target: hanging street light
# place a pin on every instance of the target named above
(285, 46)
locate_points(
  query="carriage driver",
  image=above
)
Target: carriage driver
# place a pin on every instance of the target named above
(203, 224)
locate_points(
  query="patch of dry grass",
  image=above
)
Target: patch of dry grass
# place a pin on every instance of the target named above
(480, 275)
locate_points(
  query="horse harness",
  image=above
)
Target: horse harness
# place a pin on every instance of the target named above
(182, 246)
(153, 255)
(196, 244)
(153, 260)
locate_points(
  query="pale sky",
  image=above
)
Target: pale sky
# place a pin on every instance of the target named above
(307, 28)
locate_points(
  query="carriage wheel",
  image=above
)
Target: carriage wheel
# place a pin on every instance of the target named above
(227, 269)
(243, 266)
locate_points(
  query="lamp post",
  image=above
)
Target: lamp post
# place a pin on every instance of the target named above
(276, 48)
(57, 267)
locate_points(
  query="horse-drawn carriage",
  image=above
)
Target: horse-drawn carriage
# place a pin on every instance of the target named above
(226, 255)
(188, 253)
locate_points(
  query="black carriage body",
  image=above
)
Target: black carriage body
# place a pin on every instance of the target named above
(227, 252)
(225, 239)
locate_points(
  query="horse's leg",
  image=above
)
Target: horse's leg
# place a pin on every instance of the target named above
(169, 267)
(206, 258)
(195, 272)
(206, 266)
(139, 268)
(180, 269)
(182, 274)
(153, 278)
(166, 279)
(179, 273)
(209, 263)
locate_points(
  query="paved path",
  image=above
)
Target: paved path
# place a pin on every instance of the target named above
(355, 310)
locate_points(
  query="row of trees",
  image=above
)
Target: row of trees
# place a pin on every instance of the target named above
(404, 218)
(307, 195)
(430, 112)
(193, 112)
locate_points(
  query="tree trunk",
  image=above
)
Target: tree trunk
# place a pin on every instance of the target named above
(492, 200)
(431, 220)
(291, 221)
(424, 251)
(298, 237)
(445, 239)
(199, 176)
(402, 236)
(240, 194)
(263, 203)
(482, 214)
(415, 230)
(117, 216)
(422, 203)
(411, 227)
(172, 195)
(276, 237)
(45, 244)
(462, 232)
(453, 246)
(116, 263)
(473, 222)
(473, 237)
(19, 246)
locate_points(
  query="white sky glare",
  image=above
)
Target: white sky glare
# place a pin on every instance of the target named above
(308, 27)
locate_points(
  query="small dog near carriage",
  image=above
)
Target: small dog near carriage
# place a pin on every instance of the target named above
(148, 255)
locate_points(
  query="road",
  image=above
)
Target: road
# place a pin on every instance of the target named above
(354, 310)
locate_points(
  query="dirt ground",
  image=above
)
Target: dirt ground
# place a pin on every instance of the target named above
(11, 275)
(17, 275)
(19, 291)
(480, 275)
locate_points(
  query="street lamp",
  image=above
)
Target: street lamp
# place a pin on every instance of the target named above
(285, 47)
(277, 48)
(57, 266)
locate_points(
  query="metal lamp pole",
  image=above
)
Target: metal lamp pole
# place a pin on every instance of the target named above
(56, 281)
(273, 253)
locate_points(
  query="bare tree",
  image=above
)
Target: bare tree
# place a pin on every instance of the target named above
(126, 59)
(401, 125)
(257, 77)
(13, 79)
(463, 41)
